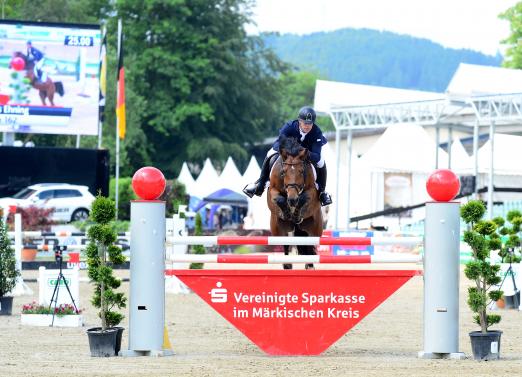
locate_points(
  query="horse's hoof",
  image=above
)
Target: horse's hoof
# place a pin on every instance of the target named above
(287, 266)
(309, 267)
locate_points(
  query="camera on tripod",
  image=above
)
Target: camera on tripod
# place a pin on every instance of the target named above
(58, 255)
(58, 252)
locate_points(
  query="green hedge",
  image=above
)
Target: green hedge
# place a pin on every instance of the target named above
(125, 195)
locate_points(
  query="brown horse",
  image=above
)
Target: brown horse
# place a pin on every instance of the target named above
(46, 89)
(292, 198)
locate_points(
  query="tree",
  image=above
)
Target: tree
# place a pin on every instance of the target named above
(194, 78)
(513, 57)
(482, 238)
(101, 247)
(206, 87)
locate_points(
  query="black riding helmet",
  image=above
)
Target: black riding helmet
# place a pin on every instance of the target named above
(307, 115)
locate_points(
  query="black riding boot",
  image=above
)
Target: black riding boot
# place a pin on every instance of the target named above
(258, 187)
(324, 197)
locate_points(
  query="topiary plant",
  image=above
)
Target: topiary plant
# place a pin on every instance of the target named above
(198, 249)
(509, 252)
(101, 247)
(8, 271)
(482, 237)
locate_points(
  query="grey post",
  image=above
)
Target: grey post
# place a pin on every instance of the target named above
(147, 283)
(441, 281)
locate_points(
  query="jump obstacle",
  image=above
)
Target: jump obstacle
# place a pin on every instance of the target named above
(283, 319)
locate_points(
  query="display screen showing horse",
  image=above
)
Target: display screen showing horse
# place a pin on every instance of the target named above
(49, 77)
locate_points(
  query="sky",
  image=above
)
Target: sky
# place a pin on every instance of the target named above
(472, 24)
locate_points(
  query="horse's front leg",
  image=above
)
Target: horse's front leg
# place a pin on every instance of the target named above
(287, 266)
(42, 96)
(281, 203)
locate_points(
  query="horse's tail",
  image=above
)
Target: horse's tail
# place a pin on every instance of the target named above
(58, 86)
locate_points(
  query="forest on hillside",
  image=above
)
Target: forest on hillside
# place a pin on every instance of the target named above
(373, 57)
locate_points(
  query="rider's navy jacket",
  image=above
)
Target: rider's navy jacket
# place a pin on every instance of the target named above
(34, 54)
(313, 141)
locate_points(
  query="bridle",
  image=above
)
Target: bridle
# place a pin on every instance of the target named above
(299, 188)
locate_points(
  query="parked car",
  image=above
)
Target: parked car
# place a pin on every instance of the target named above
(70, 202)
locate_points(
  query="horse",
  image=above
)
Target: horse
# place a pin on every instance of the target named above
(293, 198)
(46, 89)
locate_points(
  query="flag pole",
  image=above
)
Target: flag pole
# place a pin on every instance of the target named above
(117, 133)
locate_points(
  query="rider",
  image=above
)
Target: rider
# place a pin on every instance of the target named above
(37, 56)
(311, 137)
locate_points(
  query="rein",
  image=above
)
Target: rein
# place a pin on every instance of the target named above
(299, 188)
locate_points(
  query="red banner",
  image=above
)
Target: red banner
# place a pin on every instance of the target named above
(294, 312)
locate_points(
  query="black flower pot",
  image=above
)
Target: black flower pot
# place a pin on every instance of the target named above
(6, 305)
(102, 343)
(485, 346)
(118, 339)
(512, 302)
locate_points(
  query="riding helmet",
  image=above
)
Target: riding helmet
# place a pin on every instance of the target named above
(307, 115)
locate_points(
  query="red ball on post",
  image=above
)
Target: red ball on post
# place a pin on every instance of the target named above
(148, 183)
(17, 63)
(443, 185)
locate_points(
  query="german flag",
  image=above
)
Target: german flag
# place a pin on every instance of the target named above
(120, 104)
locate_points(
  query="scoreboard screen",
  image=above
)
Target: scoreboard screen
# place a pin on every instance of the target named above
(49, 77)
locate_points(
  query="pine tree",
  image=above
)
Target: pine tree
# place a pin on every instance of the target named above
(8, 271)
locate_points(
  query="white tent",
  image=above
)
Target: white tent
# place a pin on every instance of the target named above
(329, 94)
(470, 79)
(400, 161)
(461, 161)
(507, 169)
(230, 177)
(505, 157)
(360, 178)
(251, 173)
(404, 148)
(258, 216)
(186, 178)
(207, 181)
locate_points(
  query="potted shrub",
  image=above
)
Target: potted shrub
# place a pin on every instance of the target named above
(482, 238)
(8, 271)
(198, 249)
(105, 340)
(510, 258)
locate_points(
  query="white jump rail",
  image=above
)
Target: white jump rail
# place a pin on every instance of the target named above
(64, 247)
(293, 241)
(276, 258)
(42, 234)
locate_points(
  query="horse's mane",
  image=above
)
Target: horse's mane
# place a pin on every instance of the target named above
(290, 144)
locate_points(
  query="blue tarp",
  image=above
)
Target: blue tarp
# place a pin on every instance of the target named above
(224, 196)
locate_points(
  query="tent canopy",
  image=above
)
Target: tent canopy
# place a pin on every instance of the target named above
(404, 147)
(224, 196)
(470, 79)
(329, 94)
(505, 155)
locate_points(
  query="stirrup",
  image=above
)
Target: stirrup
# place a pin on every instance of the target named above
(254, 189)
(325, 199)
(249, 190)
